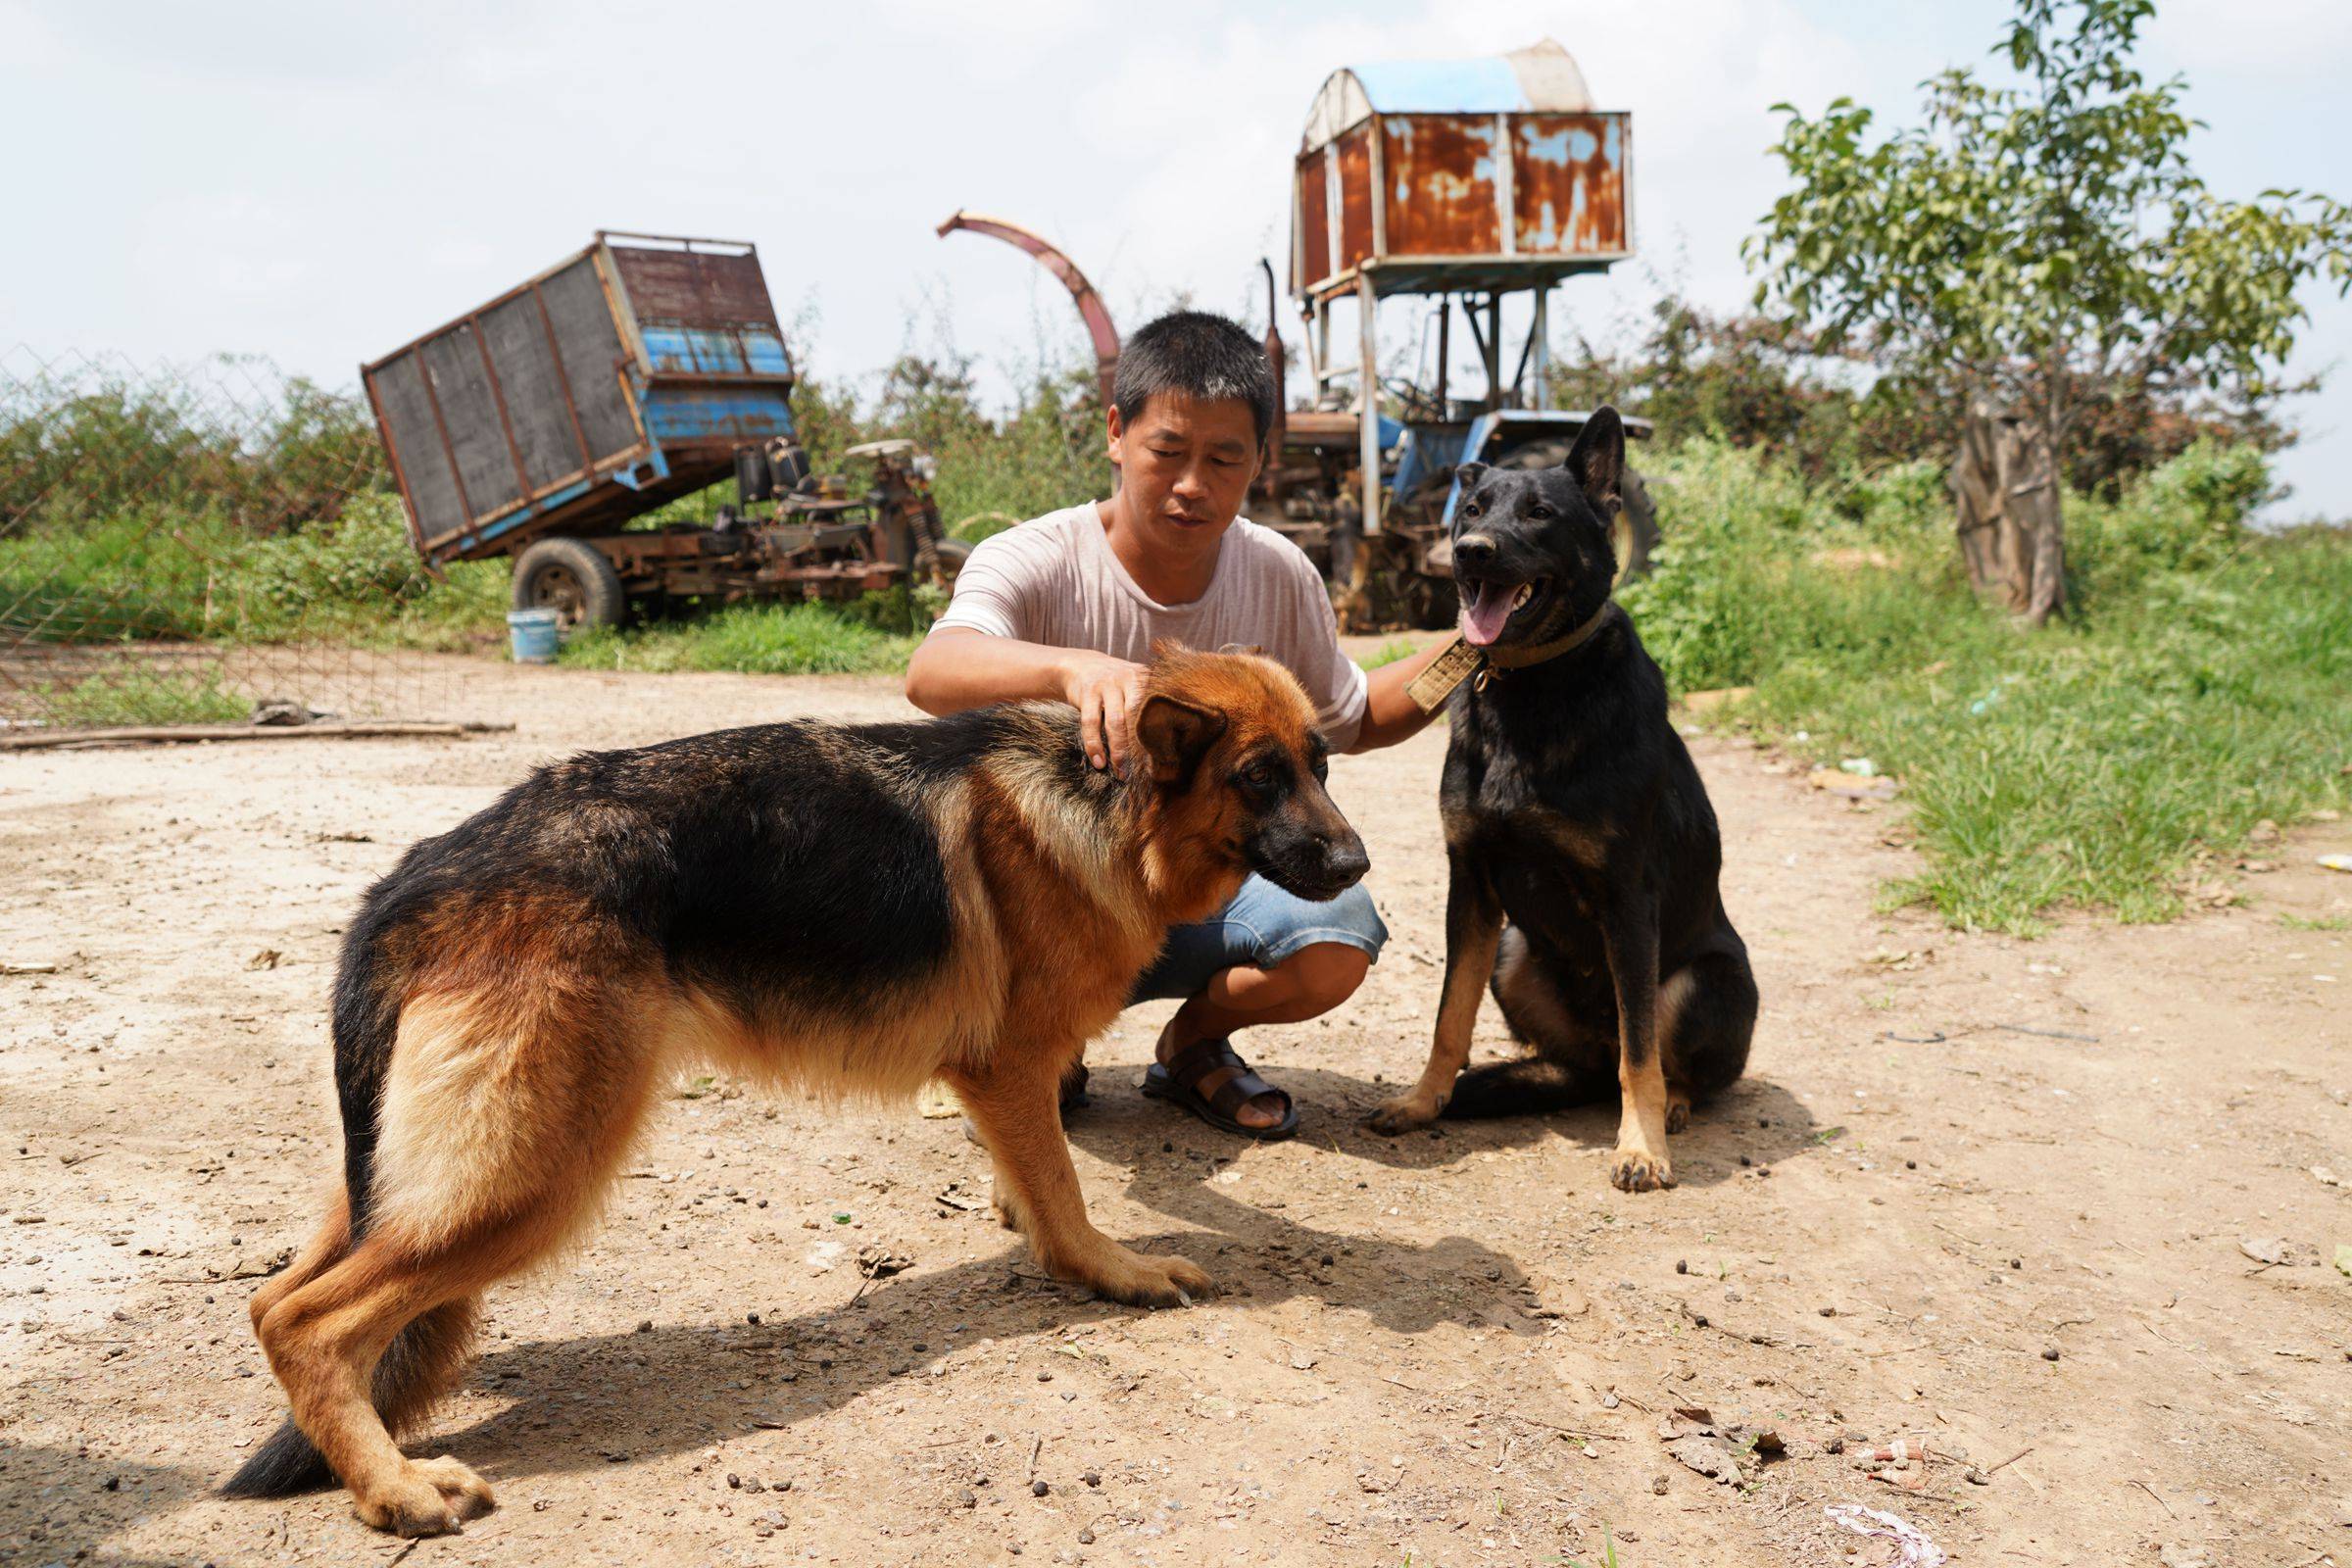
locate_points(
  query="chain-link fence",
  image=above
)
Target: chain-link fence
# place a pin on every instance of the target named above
(181, 542)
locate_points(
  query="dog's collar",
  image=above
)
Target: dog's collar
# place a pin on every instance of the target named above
(1460, 661)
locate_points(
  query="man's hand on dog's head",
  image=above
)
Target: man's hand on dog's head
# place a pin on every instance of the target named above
(1107, 692)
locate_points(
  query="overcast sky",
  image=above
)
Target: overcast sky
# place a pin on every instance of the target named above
(318, 182)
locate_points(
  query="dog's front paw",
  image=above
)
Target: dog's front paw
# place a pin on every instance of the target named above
(427, 1498)
(1404, 1113)
(1141, 1280)
(1637, 1170)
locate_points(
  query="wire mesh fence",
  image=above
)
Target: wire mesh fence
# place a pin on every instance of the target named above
(180, 542)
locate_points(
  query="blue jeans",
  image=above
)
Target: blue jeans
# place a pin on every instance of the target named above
(1261, 927)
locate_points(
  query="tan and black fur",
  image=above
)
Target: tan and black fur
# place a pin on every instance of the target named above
(1573, 813)
(849, 908)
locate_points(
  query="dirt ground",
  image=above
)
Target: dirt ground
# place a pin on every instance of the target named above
(2018, 1200)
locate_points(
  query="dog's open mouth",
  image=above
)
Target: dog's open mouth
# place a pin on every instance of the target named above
(1487, 607)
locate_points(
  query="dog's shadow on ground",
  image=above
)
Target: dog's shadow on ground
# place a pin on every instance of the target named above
(1751, 1126)
(594, 1399)
(79, 1500)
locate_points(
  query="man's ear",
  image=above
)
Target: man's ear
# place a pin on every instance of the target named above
(1175, 736)
(1596, 463)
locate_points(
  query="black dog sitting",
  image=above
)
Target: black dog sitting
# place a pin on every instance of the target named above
(1572, 807)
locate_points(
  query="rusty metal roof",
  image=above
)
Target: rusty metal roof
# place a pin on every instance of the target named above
(1541, 78)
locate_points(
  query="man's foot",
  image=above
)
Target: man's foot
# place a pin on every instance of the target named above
(1211, 1081)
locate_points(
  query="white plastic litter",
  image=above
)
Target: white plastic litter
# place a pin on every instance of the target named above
(2336, 862)
(1918, 1550)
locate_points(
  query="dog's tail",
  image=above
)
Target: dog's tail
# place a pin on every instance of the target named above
(425, 1357)
(1525, 1087)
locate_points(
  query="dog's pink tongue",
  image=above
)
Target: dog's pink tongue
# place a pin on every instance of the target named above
(1486, 606)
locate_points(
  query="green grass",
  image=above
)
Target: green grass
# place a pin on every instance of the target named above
(1389, 652)
(802, 639)
(139, 697)
(2202, 682)
(151, 570)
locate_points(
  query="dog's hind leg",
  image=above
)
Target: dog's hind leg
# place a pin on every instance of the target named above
(506, 1112)
(1706, 1019)
(1012, 1103)
(1574, 1064)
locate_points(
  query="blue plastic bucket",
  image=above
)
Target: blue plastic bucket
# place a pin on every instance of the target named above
(532, 632)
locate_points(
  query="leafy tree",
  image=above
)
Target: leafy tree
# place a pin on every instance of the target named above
(2047, 242)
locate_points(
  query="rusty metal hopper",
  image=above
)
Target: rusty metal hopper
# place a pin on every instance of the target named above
(623, 377)
(1425, 176)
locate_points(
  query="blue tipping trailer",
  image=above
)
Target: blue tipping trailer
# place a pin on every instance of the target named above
(624, 375)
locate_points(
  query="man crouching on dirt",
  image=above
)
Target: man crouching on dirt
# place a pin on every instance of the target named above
(1066, 607)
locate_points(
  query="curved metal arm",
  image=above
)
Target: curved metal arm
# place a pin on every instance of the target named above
(1090, 304)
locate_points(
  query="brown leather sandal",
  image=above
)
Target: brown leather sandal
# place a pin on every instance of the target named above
(1179, 1083)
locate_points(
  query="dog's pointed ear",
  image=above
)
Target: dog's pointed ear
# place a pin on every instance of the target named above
(1467, 475)
(1164, 649)
(1596, 463)
(1175, 736)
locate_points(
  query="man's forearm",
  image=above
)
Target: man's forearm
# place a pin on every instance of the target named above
(956, 668)
(1390, 713)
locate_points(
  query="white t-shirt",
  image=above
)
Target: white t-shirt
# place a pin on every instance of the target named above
(1056, 581)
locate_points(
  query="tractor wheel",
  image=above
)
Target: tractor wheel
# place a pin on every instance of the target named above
(947, 560)
(572, 579)
(1635, 532)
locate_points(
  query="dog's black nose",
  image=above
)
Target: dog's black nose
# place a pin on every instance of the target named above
(1474, 550)
(1348, 861)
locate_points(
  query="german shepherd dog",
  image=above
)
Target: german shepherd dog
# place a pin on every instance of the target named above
(849, 908)
(1572, 809)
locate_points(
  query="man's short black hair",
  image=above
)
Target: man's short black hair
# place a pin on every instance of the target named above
(1197, 355)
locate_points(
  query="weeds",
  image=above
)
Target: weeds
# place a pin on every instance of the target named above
(805, 639)
(141, 697)
(1389, 652)
(2202, 682)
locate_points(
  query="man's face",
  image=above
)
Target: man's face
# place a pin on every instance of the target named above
(1185, 467)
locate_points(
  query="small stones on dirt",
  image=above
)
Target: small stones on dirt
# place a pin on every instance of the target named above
(2049, 1352)
(878, 1262)
(967, 1498)
(1729, 1455)
(1681, 1266)
(1086, 1537)
(1037, 1489)
(1093, 1478)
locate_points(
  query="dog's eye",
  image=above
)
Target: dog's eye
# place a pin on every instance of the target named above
(1541, 513)
(1257, 775)
(1471, 509)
